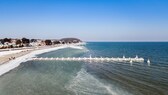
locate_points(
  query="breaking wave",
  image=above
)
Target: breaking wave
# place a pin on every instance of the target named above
(86, 84)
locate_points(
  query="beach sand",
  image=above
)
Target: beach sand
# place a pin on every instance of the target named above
(9, 57)
(16, 58)
(6, 56)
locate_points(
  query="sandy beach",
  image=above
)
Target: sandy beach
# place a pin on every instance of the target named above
(8, 57)
(12, 60)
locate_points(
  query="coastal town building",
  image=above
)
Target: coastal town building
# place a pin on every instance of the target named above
(24, 42)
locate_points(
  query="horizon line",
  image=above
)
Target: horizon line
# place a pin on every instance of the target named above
(125, 41)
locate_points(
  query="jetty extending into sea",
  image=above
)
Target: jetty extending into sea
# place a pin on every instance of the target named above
(96, 59)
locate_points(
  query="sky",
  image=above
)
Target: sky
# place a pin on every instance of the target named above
(88, 20)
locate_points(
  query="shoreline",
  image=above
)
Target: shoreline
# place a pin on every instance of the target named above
(8, 66)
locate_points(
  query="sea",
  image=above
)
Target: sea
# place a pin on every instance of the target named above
(93, 78)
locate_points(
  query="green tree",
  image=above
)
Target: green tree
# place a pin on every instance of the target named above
(18, 42)
(48, 42)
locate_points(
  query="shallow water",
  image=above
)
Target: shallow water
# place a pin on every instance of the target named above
(96, 78)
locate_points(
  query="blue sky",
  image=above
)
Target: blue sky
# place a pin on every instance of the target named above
(89, 20)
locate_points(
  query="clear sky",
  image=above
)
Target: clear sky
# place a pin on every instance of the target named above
(89, 20)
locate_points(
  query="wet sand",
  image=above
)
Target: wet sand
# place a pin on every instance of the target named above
(9, 57)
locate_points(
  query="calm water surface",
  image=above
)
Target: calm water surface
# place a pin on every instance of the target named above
(96, 78)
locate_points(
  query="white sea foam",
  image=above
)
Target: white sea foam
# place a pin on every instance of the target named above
(85, 83)
(4, 68)
(75, 47)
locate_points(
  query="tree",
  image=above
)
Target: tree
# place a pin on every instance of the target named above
(48, 42)
(18, 42)
(7, 40)
(56, 42)
(25, 41)
(33, 40)
(1, 41)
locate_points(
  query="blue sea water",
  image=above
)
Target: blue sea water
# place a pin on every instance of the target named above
(93, 78)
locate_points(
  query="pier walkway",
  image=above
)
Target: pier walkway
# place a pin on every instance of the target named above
(95, 59)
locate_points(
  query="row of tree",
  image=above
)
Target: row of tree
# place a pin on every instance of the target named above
(18, 41)
(26, 42)
(5, 40)
(10, 43)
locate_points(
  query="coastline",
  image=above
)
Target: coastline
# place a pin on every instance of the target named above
(6, 67)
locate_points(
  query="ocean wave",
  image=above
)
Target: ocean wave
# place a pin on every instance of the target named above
(86, 84)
